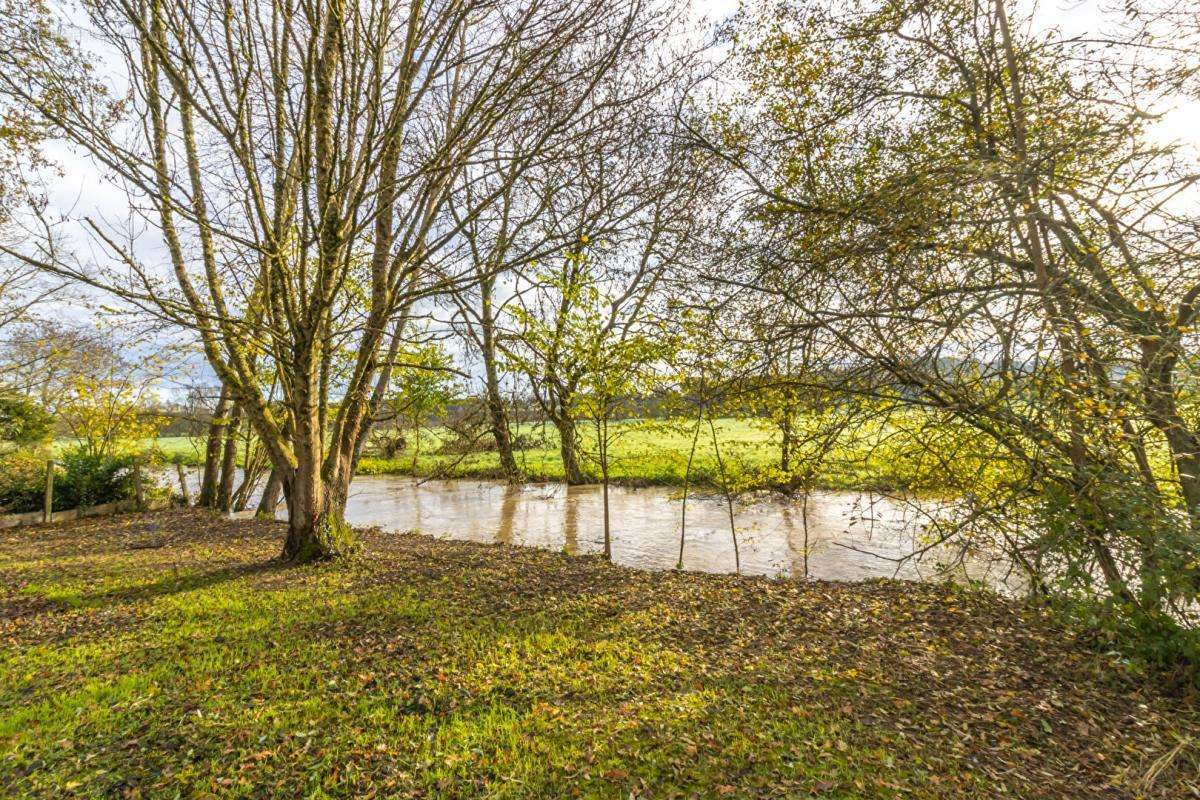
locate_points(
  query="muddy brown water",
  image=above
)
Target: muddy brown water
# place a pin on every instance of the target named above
(851, 536)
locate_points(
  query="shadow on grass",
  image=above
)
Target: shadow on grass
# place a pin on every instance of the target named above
(178, 582)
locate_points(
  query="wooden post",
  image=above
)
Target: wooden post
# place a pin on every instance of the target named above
(138, 497)
(48, 499)
(183, 487)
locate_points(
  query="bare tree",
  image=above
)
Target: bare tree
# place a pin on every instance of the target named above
(626, 215)
(541, 213)
(297, 161)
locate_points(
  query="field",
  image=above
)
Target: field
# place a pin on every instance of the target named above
(646, 452)
(168, 655)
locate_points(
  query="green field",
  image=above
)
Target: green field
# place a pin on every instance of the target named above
(169, 655)
(872, 456)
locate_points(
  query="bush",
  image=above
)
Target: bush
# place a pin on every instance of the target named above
(22, 481)
(81, 480)
(89, 480)
(23, 421)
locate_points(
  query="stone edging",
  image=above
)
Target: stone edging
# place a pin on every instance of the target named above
(104, 509)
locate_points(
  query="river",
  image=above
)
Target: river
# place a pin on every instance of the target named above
(851, 536)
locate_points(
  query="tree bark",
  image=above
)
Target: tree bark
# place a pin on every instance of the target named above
(572, 472)
(224, 501)
(316, 489)
(270, 496)
(212, 453)
(497, 416)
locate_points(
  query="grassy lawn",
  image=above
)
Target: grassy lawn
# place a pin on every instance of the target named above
(168, 655)
(649, 452)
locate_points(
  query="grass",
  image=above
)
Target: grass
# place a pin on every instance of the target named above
(168, 655)
(872, 456)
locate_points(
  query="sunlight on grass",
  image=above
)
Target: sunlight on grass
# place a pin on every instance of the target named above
(443, 669)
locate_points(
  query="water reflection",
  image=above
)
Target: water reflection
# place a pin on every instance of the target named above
(840, 536)
(831, 536)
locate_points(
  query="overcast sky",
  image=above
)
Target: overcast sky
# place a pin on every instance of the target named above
(83, 190)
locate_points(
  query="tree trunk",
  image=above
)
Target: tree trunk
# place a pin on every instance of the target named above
(687, 480)
(727, 490)
(270, 496)
(212, 453)
(497, 417)
(316, 496)
(572, 472)
(785, 445)
(602, 449)
(224, 501)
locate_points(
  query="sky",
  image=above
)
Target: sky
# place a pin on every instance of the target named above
(83, 190)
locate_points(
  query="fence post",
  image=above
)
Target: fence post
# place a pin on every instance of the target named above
(48, 499)
(138, 498)
(183, 487)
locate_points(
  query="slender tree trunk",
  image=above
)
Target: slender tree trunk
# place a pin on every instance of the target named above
(602, 434)
(572, 472)
(416, 438)
(804, 522)
(270, 496)
(727, 490)
(497, 417)
(785, 445)
(255, 465)
(224, 500)
(212, 453)
(687, 480)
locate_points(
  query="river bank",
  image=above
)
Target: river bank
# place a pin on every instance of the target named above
(151, 654)
(876, 456)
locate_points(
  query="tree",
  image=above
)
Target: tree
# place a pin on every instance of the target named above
(23, 422)
(498, 240)
(977, 217)
(622, 368)
(630, 214)
(423, 384)
(296, 161)
(98, 383)
(105, 402)
(597, 185)
(214, 449)
(29, 36)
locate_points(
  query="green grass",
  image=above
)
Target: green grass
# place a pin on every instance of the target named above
(874, 455)
(168, 655)
(644, 452)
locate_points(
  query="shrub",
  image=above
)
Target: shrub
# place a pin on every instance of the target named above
(22, 481)
(89, 479)
(22, 421)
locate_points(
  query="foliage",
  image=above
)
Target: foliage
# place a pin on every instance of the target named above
(82, 479)
(449, 669)
(975, 216)
(105, 408)
(22, 481)
(422, 385)
(90, 479)
(22, 421)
